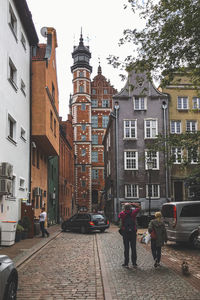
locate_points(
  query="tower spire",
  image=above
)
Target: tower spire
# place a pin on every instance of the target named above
(99, 67)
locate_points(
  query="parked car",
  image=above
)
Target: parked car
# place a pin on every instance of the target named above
(197, 240)
(86, 222)
(8, 279)
(182, 220)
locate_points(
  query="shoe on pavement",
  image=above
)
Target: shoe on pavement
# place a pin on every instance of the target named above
(135, 265)
(125, 265)
(156, 263)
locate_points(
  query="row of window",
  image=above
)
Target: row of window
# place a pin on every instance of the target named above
(12, 21)
(176, 126)
(12, 130)
(151, 128)
(152, 190)
(131, 158)
(95, 124)
(104, 103)
(140, 103)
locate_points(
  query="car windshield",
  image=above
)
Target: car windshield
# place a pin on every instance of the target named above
(97, 217)
(168, 211)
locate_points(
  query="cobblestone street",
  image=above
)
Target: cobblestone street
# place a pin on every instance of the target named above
(78, 266)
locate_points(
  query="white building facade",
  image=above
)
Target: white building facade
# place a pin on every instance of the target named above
(17, 38)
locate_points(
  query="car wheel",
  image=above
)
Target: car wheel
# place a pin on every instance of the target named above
(194, 240)
(11, 289)
(102, 230)
(83, 229)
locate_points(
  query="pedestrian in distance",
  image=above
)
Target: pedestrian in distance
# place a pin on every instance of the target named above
(42, 220)
(158, 237)
(129, 232)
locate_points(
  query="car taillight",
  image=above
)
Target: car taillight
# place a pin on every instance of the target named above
(91, 223)
(175, 216)
(107, 222)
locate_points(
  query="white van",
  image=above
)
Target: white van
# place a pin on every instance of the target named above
(182, 220)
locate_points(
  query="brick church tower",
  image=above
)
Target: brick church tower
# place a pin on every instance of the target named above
(90, 106)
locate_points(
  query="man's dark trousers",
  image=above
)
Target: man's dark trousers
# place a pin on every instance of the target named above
(129, 239)
(43, 229)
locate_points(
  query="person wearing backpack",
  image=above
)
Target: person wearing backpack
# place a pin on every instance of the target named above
(128, 229)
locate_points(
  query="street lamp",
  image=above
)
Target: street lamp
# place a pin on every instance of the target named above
(149, 167)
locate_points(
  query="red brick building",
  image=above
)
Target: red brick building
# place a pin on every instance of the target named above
(66, 169)
(90, 106)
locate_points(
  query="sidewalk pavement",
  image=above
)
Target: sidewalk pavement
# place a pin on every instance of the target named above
(23, 249)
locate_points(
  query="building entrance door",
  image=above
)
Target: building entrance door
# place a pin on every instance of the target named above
(178, 191)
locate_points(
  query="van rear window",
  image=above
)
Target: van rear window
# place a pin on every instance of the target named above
(191, 210)
(168, 211)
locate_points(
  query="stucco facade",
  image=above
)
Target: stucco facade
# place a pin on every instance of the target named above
(17, 37)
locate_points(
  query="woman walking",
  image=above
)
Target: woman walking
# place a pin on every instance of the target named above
(158, 237)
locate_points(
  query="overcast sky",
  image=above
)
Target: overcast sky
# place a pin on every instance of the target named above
(102, 22)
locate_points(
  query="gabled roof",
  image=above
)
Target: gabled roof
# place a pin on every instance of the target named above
(138, 84)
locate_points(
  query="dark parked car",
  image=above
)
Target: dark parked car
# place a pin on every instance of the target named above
(86, 222)
(8, 279)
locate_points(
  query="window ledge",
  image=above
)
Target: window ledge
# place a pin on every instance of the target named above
(128, 139)
(11, 140)
(13, 84)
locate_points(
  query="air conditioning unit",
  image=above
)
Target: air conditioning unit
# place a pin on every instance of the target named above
(6, 170)
(37, 191)
(5, 186)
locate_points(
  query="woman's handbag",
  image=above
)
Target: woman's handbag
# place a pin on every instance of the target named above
(153, 235)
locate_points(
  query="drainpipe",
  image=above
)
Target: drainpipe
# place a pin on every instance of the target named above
(116, 206)
(164, 107)
(30, 125)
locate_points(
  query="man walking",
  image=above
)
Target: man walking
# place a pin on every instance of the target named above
(42, 219)
(128, 229)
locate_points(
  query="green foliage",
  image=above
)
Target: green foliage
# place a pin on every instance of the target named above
(20, 228)
(169, 41)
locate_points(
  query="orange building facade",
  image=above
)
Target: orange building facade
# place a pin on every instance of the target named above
(45, 118)
(66, 170)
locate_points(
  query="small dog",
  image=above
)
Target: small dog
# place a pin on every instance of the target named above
(185, 268)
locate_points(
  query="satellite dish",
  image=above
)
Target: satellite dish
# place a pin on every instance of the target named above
(43, 31)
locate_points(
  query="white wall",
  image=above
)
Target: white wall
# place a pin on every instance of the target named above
(15, 103)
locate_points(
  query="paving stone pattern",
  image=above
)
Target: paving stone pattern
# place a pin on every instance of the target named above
(67, 268)
(145, 283)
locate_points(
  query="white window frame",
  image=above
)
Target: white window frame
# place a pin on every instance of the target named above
(108, 168)
(191, 125)
(182, 103)
(12, 74)
(23, 40)
(196, 103)
(155, 188)
(21, 183)
(191, 158)
(23, 134)
(133, 190)
(130, 158)
(14, 128)
(23, 87)
(154, 157)
(130, 129)
(150, 130)
(140, 103)
(12, 21)
(175, 127)
(178, 155)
